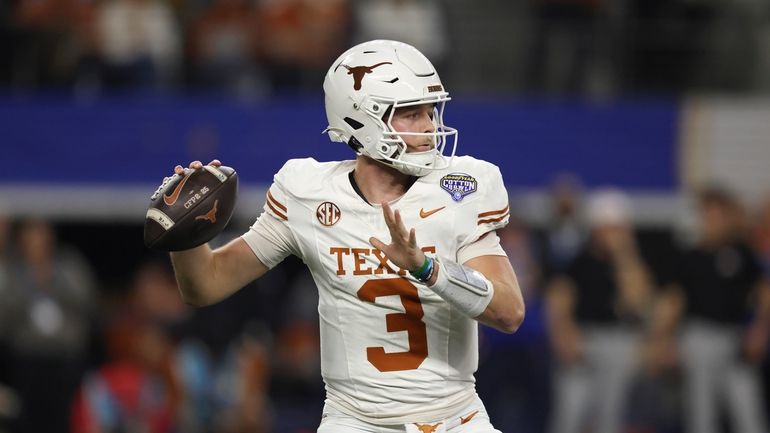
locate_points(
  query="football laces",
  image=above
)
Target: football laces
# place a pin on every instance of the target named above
(163, 185)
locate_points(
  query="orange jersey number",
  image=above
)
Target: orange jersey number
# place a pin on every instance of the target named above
(410, 321)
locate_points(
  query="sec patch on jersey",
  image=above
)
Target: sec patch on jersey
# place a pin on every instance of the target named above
(189, 210)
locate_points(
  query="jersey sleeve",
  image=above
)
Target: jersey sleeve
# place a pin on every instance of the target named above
(486, 245)
(492, 210)
(271, 237)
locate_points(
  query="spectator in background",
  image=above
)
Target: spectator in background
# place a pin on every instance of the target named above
(762, 71)
(153, 296)
(565, 232)
(5, 255)
(136, 389)
(674, 59)
(732, 50)
(191, 386)
(8, 33)
(761, 235)
(138, 43)
(8, 400)
(723, 338)
(420, 23)
(47, 311)
(297, 396)
(244, 384)
(224, 44)
(327, 31)
(299, 38)
(568, 47)
(53, 37)
(597, 310)
(227, 393)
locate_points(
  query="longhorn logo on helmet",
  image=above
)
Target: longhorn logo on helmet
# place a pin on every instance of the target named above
(358, 72)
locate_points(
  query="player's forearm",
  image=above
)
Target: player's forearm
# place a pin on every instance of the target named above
(206, 277)
(194, 270)
(506, 310)
(497, 302)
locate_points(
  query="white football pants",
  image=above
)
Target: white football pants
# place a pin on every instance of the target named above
(473, 419)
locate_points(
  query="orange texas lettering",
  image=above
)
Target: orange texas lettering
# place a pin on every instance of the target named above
(366, 261)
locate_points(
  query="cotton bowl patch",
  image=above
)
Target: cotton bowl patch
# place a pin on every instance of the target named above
(458, 185)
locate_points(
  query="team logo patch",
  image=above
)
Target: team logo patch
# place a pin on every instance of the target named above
(458, 185)
(328, 213)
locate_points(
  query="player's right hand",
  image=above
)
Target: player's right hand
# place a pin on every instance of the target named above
(196, 165)
(181, 171)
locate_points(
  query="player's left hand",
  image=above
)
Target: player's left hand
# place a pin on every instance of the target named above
(403, 250)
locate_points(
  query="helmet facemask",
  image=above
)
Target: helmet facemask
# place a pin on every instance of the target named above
(393, 150)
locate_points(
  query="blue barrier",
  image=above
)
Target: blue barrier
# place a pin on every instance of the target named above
(127, 140)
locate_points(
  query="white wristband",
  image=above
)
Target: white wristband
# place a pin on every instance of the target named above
(465, 288)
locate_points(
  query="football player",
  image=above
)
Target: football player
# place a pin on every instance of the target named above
(401, 243)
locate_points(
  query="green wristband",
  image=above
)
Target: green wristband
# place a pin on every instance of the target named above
(420, 272)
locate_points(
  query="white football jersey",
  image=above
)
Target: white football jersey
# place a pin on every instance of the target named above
(392, 351)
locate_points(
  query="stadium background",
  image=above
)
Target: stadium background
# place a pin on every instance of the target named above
(99, 99)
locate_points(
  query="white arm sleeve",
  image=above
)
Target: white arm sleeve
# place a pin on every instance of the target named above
(271, 240)
(466, 289)
(487, 245)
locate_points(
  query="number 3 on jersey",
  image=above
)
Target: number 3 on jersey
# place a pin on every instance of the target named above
(410, 321)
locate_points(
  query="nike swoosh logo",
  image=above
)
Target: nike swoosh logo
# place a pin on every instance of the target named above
(424, 214)
(171, 199)
(467, 418)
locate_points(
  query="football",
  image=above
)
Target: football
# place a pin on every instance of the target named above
(190, 209)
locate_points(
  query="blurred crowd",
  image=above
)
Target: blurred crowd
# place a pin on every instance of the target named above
(255, 48)
(76, 356)
(627, 330)
(246, 47)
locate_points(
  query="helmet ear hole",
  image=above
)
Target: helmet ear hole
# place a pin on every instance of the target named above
(355, 124)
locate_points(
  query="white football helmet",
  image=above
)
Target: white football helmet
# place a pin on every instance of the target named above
(364, 87)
